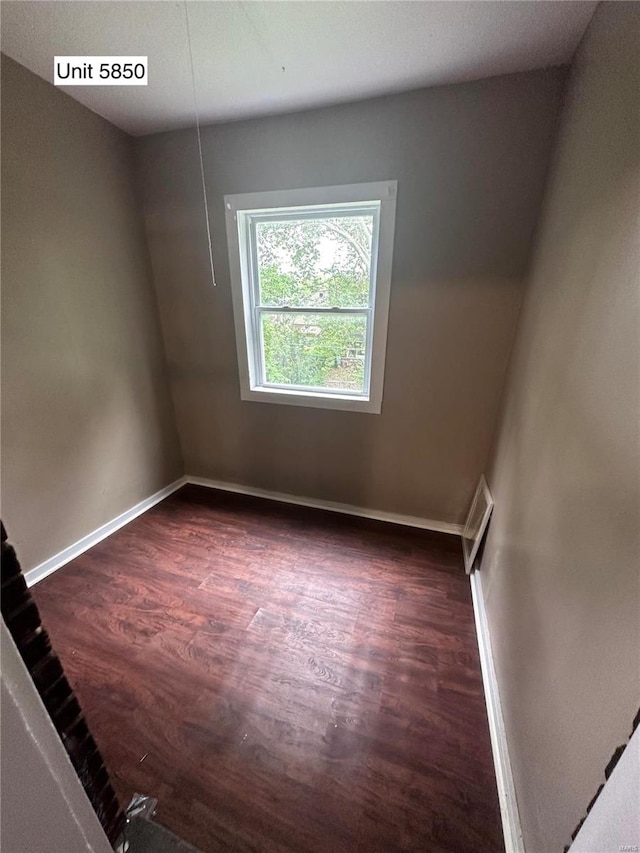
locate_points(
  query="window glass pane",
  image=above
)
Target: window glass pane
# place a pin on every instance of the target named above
(315, 350)
(308, 263)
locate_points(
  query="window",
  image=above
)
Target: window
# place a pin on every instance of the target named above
(310, 275)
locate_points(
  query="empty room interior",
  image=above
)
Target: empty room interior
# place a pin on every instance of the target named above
(320, 426)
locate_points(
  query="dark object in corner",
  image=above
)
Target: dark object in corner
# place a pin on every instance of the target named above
(145, 836)
(608, 770)
(22, 619)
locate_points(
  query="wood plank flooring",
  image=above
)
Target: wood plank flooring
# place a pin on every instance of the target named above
(282, 679)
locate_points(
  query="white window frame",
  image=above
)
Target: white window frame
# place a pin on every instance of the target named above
(242, 211)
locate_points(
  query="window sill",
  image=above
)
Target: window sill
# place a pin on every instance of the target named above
(312, 399)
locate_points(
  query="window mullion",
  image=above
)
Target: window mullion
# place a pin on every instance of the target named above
(310, 309)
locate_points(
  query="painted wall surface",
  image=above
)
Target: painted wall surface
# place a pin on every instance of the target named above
(562, 562)
(470, 161)
(44, 806)
(87, 422)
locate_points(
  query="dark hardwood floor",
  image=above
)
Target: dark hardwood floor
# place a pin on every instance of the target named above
(282, 679)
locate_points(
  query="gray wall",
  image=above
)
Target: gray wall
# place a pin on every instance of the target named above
(87, 421)
(562, 564)
(470, 161)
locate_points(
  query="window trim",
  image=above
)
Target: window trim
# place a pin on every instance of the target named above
(240, 210)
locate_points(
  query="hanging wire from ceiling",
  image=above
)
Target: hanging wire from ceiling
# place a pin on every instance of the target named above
(197, 116)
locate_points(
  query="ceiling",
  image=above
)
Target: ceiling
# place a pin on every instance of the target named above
(259, 58)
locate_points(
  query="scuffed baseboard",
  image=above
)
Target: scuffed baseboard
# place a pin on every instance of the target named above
(65, 556)
(511, 827)
(330, 506)
(60, 559)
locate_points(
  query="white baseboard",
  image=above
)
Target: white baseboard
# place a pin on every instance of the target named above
(511, 828)
(330, 506)
(62, 557)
